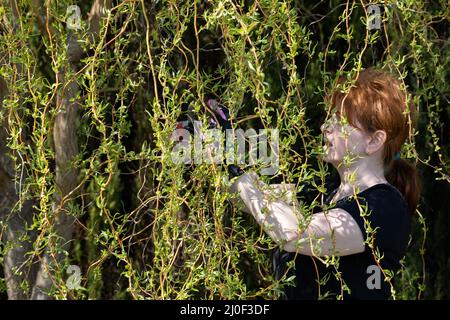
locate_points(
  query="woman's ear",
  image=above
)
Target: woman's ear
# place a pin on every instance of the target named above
(376, 141)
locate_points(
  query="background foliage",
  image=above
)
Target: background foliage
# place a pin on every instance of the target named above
(86, 177)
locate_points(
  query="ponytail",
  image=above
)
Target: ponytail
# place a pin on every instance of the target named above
(403, 175)
(380, 101)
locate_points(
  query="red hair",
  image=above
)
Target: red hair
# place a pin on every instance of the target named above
(378, 101)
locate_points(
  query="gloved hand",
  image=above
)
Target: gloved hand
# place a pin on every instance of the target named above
(234, 171)
(223, 119)
(222, 114)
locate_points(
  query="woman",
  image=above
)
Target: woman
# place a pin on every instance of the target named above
(366, 220)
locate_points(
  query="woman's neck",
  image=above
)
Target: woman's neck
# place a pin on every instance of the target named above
(359, 177)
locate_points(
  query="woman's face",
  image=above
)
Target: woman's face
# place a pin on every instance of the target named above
(343, 143)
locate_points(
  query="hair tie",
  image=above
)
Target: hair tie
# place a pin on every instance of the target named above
(397, 156)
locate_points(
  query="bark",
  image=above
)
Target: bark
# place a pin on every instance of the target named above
(15, 215)
(66, 149)
(18, 268)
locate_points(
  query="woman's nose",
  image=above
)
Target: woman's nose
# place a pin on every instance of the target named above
(325, 127)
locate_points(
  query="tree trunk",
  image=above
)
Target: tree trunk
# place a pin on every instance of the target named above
(66, 149)
(18, 268)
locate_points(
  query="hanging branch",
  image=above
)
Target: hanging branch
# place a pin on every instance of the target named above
(66, 149)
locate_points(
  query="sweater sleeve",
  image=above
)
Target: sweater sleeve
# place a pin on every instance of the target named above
(326, 233)
(274, 215)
